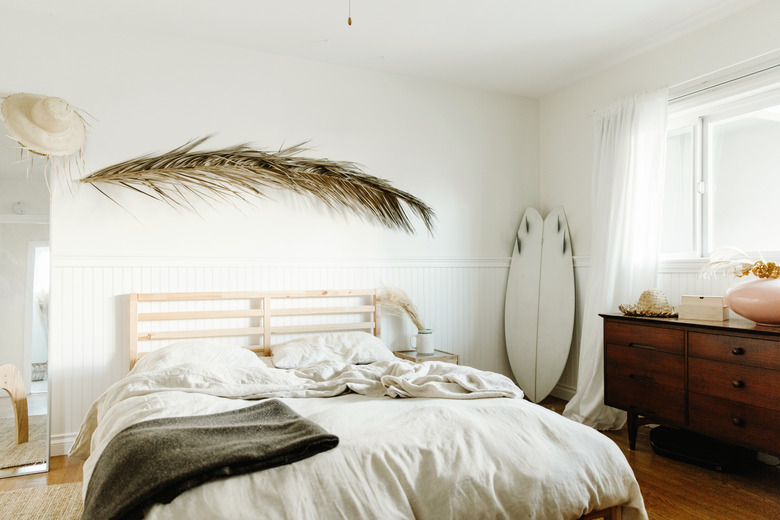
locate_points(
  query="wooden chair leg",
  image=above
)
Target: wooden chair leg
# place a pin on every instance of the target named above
(11, 382)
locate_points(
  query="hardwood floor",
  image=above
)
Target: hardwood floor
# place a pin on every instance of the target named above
(672, 490)
(675, 490)
(62, 470)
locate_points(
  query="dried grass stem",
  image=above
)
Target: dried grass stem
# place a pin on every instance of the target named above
(396, 301)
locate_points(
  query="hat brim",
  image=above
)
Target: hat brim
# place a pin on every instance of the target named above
(16, 111)
(631, 310)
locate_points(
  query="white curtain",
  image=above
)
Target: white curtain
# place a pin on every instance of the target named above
(627, 197)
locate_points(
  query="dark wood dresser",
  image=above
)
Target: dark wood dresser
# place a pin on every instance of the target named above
(721, 379)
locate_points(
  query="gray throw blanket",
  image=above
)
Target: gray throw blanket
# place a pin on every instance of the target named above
(155, 461)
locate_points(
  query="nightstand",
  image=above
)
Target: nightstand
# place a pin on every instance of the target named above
(437, 355)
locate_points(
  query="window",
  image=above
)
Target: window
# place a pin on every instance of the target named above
(723, 176)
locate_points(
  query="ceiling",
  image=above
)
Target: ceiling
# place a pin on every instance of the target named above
(524, 47)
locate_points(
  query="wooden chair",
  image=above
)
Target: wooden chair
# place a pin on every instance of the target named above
(11, 382)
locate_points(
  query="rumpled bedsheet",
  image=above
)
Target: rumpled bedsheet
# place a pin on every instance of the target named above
(451, 452)
(325, 379)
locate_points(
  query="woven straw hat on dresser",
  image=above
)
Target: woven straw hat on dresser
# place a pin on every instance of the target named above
(652, 302)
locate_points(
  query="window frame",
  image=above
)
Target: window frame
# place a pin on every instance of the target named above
(697, 113)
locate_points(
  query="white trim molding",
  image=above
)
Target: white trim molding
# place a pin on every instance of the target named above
(132, 261)
(463, 297)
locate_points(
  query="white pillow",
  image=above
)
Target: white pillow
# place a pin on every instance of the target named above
(197, 351)
(346, 347)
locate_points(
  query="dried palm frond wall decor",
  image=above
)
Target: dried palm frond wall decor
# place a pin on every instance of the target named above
(243, 172)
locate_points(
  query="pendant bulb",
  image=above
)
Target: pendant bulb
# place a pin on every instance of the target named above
(349, 20)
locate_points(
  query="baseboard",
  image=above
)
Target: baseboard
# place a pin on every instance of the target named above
(564, 392)
(60, 444)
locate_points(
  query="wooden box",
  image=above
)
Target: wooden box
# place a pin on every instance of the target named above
(707, 308)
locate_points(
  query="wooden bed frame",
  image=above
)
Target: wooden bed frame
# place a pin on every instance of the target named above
(611, 513)
(260, 314)
(265, 309)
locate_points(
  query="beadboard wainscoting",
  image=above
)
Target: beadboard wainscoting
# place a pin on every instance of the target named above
(463, 300)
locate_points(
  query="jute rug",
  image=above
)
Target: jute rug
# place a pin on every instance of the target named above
(57, 502)
(31, 452)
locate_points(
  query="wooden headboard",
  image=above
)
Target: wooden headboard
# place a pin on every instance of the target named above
(250, 316)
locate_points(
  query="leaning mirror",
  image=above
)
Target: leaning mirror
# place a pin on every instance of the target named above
(24, 303)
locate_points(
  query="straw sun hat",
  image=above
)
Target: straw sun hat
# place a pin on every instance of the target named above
(44, 125)
(652, 302)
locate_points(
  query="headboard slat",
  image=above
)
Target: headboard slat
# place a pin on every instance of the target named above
(293, 329)
(198, 315)
(263, 314)
(314, 311)
(205, 333)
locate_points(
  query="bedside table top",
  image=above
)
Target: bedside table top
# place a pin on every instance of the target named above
(437, 355)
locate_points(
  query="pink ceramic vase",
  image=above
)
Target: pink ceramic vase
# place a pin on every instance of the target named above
(757, 300)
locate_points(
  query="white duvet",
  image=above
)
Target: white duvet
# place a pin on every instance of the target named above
(465, 446)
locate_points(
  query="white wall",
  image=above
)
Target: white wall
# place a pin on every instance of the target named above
(566, 125)
(566, 137)
(469, 154)
(478, 158)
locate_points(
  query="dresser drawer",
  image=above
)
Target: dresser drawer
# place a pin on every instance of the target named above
(647, 337)
(738, 422)
(745, 384)
(645, 397)
(639, 363)
(762, 353)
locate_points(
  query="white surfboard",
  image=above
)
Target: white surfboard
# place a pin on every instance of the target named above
(556, 304)
(539, 314)
(521, 313)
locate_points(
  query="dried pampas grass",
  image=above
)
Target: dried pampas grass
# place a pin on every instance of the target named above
(244, 173)
(397, 302)
(732, 261)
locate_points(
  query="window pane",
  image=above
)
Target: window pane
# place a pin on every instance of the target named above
(744, 182)
(677, 227)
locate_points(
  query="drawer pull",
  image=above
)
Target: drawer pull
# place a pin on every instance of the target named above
(643, 379)
(738, 351)
(738, 384)
(640, 345)
(736, 421)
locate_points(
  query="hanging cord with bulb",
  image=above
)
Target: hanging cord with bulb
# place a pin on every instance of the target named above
(349, 18)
